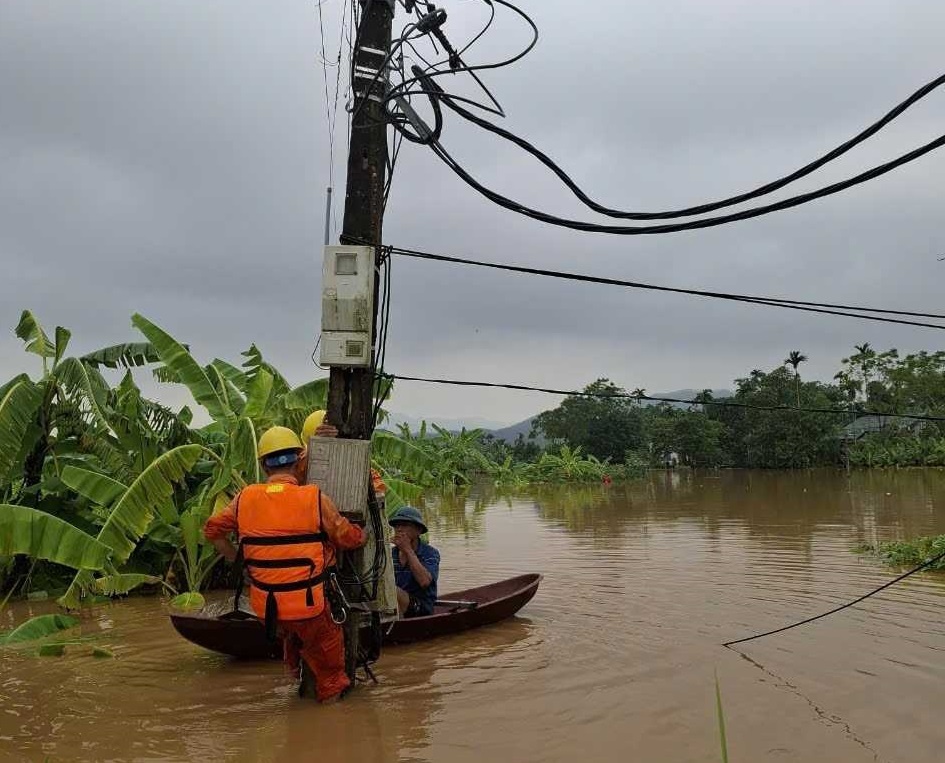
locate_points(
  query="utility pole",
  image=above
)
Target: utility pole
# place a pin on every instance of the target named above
(351, 390)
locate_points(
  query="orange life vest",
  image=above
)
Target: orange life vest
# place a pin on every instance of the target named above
(282, 545)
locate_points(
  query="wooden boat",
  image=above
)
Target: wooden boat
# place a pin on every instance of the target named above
(241, 635)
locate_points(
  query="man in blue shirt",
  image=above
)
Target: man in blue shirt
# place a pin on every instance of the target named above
(416, 564)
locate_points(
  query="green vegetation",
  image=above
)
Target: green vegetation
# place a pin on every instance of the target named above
(103, 490)
(443, 459)
(723, 742)
(909, 553)
(788, 438)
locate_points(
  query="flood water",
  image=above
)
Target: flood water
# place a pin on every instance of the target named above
(614, 659)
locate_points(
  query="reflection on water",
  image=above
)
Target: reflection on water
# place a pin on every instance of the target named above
(613, 659)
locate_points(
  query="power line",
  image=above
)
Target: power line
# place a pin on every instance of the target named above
(708, 222)
(430, 88)
(913, 571)
(699, 209)
(457, 65)
(790, 304)
(724, 403)
(331, 129)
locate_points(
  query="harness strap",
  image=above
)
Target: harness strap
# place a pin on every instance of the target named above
(283, 540)
(272, 617)
(238, 562)
(272, 605)
(271, 589)
(298, 585)
(275, 564)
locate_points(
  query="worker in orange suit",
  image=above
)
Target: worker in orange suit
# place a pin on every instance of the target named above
(288, 537)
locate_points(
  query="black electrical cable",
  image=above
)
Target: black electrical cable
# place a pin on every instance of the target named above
(483, 31)
(380, 354)
(434, 134)
(790, 304)
(913, 571)
(328, 115)
(763, 190)
(722, 403)
(709, 222)
(465, 68)
(433, 90)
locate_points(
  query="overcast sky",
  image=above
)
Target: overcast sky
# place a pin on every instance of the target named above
(171, 158)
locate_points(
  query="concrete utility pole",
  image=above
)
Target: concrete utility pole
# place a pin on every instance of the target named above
(351, 390)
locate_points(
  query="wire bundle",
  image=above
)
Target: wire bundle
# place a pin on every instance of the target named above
(425, 82)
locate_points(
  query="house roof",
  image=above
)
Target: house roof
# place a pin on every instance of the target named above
(864, 425)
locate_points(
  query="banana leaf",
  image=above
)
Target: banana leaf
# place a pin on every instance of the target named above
(134, 511)
(39, 627)
(189, 601)
(122, 583)
(232, 374)
(42, 536)
(180, 362)
(37, 342)
(75, 376)
(307, 397)
(18, 406)
(62, 341)
(128, 355)
(258, 394)
(96, 487)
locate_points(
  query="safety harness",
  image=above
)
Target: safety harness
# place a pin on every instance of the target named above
(334, 597)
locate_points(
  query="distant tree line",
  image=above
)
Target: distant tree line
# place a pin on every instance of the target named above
(611, 426)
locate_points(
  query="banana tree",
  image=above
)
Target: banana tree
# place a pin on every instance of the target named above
(404, 467)
(131, 509)
(70, 410)
(241, 403)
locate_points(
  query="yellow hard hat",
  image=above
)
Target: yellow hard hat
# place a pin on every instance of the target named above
(313, 422)
(277, 439)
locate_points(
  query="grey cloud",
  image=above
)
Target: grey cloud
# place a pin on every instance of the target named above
(171, 159)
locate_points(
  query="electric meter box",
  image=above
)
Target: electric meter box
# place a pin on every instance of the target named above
(347, 306)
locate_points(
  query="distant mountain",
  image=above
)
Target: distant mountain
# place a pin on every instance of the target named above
(394, 420)
(510, 434)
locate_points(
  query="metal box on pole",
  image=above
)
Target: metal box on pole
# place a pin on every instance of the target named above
(348, 277)
(342, 469)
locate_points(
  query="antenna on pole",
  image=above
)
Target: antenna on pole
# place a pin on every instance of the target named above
(328, 218)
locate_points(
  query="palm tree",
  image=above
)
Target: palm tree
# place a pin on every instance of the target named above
(704, 397)
(865, 358)
(794, 359)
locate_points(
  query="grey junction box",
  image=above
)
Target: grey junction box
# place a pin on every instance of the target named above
(342, 469)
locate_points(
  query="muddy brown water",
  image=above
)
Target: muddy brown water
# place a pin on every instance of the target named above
(613, 660)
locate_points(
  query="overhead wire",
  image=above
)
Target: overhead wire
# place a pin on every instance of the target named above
(927, 563)
(720, 403)
(328, 119)
(380, 350)
(698, 209)
(430, 88)
(708, 222)
(827, 308)
(495, 64)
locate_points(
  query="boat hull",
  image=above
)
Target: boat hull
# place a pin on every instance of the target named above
(245, 637)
